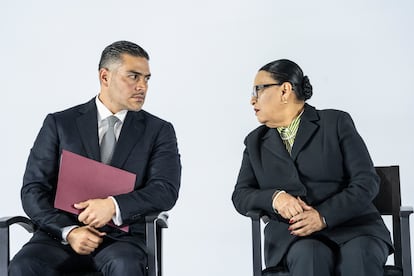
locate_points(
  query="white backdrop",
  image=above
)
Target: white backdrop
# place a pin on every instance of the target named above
(204, 55)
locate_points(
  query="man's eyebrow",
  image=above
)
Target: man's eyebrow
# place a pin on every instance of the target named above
(139, 73)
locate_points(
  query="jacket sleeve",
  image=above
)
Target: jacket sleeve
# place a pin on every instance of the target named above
(40, 179)
(362, 182)
(247, 194)
(162, 181)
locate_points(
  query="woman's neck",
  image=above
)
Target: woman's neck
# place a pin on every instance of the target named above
(291, 112)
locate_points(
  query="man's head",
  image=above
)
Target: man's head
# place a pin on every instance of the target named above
(123, 73)
(112, 54)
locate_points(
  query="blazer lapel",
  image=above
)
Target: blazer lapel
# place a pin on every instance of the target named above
(278, 167)
(306, 130)
(273, 143)
(88, 129)
(131, 133)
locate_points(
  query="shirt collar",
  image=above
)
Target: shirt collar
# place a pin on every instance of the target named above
(104, 112)
(293, 126)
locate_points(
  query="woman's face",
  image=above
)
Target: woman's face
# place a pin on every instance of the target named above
(269, 105)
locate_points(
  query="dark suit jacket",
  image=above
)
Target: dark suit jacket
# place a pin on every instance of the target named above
(330, 169)
(147, 146)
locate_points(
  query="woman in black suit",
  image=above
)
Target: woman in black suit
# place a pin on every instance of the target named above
(310, 171)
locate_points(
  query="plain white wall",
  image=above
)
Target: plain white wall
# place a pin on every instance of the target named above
(204, 55)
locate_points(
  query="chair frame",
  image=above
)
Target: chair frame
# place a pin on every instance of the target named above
(389, 189)
(155, 223)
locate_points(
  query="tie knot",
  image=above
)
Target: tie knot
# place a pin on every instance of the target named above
(285, 133)
(112, 120)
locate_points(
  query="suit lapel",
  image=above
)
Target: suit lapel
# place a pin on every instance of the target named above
(131, 133)
(88, 130)
(273, 143)
(306, 130)
(278, 166)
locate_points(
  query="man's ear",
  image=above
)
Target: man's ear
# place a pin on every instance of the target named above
(103, 76)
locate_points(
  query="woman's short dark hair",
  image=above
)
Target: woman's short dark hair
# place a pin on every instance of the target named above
(112, 53)
(284, 70)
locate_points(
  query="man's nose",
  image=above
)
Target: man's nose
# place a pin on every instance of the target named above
(141, 84)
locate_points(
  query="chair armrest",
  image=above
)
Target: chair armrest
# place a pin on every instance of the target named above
(154, 224)
(6, 222)
(160, 218)
(255, 216)
(405, 212)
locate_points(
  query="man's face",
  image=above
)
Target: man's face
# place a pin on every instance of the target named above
(124, 86)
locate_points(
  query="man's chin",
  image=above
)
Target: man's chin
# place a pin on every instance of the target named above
(135, 107)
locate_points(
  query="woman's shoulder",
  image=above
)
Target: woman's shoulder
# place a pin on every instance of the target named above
(257, 133)
(330, 113)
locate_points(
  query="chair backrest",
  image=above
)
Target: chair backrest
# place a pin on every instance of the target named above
(388, 202)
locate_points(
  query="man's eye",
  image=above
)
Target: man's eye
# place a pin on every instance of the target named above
(133, 77)
(147, 79)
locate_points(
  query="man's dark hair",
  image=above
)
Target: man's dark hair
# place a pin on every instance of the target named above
(112, 53)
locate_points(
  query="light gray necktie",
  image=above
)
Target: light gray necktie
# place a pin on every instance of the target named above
(108, 140)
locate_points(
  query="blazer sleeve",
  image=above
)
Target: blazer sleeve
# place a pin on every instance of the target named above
(39, 182)
(163, 174)
(361, 180)
(247, 194)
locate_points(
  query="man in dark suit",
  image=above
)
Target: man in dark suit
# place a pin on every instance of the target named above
(311, 173)
(146, 145)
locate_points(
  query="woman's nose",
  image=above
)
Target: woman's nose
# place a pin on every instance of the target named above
(253, 100)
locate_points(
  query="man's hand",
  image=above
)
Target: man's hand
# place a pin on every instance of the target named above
(306, 223)
(287, 206)
(96, 212)
(84, 240)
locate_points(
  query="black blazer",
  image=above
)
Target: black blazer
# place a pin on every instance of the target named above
(147, 146)
(330, 169)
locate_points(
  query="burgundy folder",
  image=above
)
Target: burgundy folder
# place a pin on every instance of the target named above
(81, 178)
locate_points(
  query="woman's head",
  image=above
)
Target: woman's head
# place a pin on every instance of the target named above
(279, 93)
(284, 70)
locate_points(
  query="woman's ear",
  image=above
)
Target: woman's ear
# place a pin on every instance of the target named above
(287, 86)
(286, 91)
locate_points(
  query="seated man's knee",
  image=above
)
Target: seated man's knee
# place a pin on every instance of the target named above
(26, 266)
(121, 259)
(124, 265)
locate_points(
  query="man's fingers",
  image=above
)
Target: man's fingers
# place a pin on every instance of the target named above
(96, 232)
(81, 205)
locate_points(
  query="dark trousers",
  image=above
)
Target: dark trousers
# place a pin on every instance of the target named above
(45, 256)
(361, 256)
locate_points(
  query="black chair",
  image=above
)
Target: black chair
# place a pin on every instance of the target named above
(154, 225)
(388, 202)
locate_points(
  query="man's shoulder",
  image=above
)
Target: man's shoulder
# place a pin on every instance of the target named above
(151, 118)
(77, 109)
